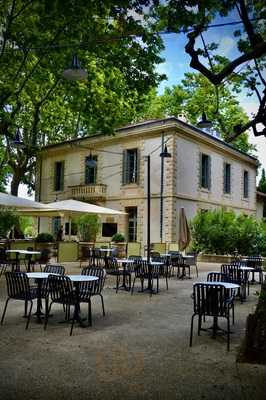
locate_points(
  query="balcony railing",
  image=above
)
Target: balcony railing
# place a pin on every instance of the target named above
(87, 192)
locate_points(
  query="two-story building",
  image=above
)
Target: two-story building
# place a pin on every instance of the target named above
(203, 173)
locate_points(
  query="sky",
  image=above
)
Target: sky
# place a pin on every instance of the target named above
(176, 64)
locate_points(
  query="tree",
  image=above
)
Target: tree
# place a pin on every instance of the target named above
(194, 94)
(248, 67)
(38, 39)
(262, 182)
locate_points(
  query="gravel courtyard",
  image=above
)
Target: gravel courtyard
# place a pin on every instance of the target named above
(138, 351)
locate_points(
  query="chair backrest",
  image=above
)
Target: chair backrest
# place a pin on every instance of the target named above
(54, 269)
(209, 299)
(216, 277)
(233, 273)
(60, 289)
(111, 263)
(132, 257)
(190, 260)
(95, 287)
(85, 252)
(18, 286)
(155, 254)
(254, 262)
(3, 255)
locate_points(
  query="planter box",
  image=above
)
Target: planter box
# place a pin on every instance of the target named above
(215, 258)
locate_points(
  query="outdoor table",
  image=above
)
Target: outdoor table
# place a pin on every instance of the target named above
(77, 279)
(124, 262)
(228, 285)
(39, 276)
(30, 253)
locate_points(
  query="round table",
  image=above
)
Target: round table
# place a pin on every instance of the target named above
(25, 252)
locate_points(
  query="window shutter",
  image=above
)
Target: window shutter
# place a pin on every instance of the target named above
(224, 183)
(200, 169)
(209, 177)
(138, 167)
(125, 168)
(62, 177)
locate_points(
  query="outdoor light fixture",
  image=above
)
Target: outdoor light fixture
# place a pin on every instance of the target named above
(204, 122)
(165, 153)
(75, 72)
(17, 142)
(90, 162)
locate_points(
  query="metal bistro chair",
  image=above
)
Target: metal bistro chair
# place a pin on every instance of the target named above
(50, 269)
(161, 270)
(61, 292)
(210, 300)
(112, 268)
(191, 262)
(220, 277)
(87, 290)
(256, 263)
(29, 261)
(85, 254)
(142, 272)
(235, 275)
(44, 257)
(18, 288)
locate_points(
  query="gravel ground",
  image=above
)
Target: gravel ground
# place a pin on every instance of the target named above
(138, 351)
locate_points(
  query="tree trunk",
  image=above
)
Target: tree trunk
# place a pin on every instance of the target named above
(16, 179)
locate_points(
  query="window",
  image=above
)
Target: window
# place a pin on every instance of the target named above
(90, 171)
(227, 178)
(205, 171)
(74, 228)
(59, 176)
(132, 223)
(109, 229)
(56, 224)
(130, 166)
(245, 184)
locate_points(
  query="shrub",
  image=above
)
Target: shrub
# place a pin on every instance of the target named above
(223, 232)
(118, 237)
(88, 227)
(44, 237)
(8, 219)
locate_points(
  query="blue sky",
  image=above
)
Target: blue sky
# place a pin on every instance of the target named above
(176, 64)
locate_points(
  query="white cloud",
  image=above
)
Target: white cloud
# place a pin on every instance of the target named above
(226, 44)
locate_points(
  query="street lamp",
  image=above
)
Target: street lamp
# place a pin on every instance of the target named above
(75, 72)
(164, 154)
(204, 122)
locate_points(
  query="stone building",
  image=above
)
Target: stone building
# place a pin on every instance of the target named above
(202, 173)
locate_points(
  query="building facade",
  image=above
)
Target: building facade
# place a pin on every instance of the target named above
(203, 173)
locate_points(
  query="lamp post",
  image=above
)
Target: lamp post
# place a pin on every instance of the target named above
(164, 154)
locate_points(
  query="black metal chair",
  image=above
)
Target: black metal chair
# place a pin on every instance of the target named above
(112, 268)
(54, 269)
(85, 254)
(256, 263)
(191, 262)
(235, 275)
(61, 292)
(87, 290)
(221, 277)
(161, 270)
(18, 288)
(177, 262)
(210, 300)
(143, 271)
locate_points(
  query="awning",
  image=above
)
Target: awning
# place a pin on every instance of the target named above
(9, 200)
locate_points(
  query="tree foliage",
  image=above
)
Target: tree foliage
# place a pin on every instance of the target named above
(247, 65)
(193, 95)
(38, 40)
(8, 219)
(222, 232)
(262, 182)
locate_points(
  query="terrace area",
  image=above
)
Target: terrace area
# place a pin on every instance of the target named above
(139, 350)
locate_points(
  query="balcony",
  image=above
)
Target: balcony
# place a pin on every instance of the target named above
(89, 192)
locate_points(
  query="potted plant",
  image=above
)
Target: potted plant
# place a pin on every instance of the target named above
(120, 245)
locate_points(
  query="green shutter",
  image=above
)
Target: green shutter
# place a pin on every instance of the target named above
(125, 168)
(200, 170)
(62, 178)
(209, 173)
(138, 166)
(224, 183)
